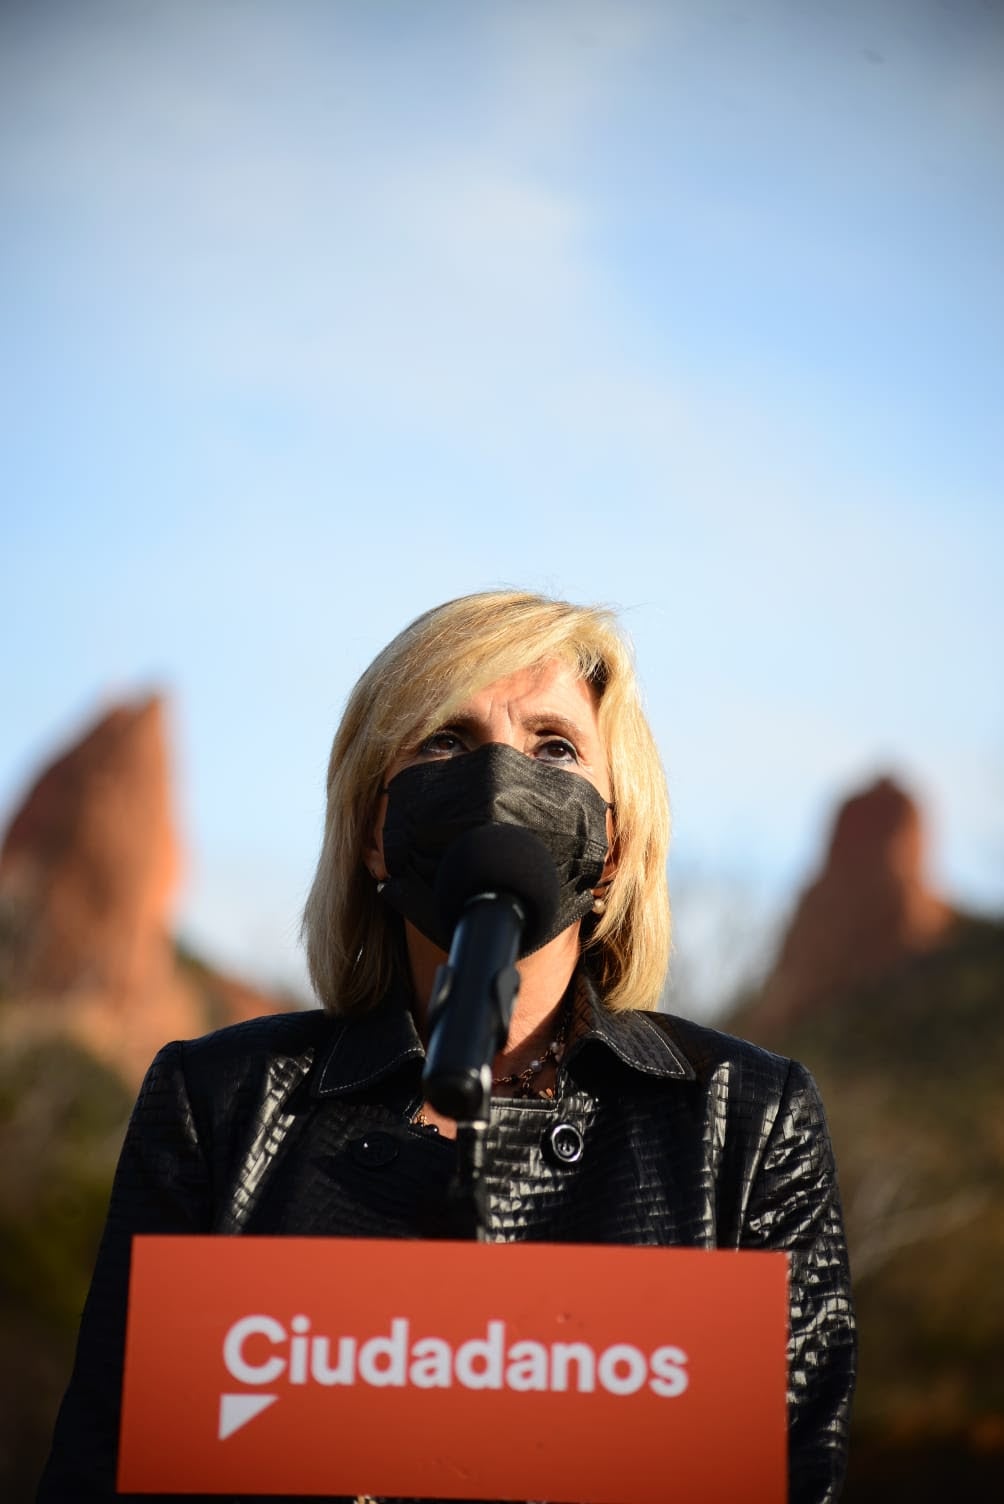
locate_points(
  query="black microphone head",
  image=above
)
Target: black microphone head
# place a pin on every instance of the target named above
(500, 859)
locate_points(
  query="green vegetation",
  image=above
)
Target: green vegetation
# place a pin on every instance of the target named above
(62, 1117)
(911, 1071)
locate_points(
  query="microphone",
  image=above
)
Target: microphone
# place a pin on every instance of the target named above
(498, 890)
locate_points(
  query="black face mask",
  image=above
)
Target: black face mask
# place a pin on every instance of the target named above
(432, 803)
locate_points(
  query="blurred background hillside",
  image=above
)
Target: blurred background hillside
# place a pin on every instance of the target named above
(317, 314)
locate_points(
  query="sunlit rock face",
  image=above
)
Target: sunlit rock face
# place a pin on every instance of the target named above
(90, 861)
(88, 871)
(870, 909)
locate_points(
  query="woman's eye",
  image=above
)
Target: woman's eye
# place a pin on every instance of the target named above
(442, 744)
(557, 749)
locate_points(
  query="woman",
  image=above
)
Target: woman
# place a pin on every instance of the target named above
(496, 708)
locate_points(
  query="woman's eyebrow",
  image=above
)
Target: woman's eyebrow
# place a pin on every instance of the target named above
(544, 720)
(461, 721)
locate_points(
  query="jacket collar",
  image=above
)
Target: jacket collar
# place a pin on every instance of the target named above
(635, 1038)
(376, 1044)
(370, 1046)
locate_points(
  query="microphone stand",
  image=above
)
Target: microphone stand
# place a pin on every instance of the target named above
(470, 1011)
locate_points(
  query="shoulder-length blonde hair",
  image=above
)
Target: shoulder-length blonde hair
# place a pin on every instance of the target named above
(410, 689)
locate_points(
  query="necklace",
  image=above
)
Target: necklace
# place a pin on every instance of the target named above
(524, 1081)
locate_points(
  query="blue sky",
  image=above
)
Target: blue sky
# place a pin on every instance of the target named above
(318, 314)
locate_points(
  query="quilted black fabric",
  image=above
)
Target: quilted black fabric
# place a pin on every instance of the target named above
(301, 1124)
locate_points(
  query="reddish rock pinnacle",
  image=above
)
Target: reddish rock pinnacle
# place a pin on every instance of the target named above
(87, 874)
(89, 863)
(870, 909)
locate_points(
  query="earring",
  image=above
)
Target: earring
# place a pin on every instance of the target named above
(599, 906)
(380, 886)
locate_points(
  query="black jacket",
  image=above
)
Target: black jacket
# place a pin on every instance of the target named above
(301, 1124)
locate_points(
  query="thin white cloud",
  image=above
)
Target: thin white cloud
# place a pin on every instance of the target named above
(560, 66)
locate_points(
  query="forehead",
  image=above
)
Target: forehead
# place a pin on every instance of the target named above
(531, 692)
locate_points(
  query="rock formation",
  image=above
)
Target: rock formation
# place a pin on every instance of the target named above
(89, 864)
(869, 910)
(88, 870)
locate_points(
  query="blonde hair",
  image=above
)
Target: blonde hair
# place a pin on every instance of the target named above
(411, 688)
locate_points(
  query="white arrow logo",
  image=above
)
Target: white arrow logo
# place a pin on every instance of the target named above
(237, 1409)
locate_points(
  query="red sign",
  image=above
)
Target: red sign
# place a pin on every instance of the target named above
(455, 1371)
